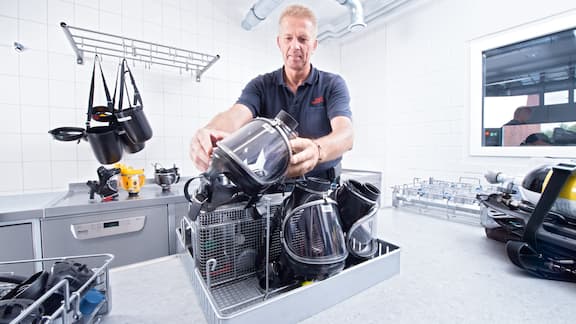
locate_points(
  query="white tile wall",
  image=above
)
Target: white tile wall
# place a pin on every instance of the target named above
(10, 89)
(43, 87)
(11, 148)
(34, 10)
(33, 35)
(9, 8)
(12, 181)
(11, 119)
(8, 30)
(35, 147)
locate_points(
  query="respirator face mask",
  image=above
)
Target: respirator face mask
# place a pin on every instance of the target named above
(358, 206)
(312, 237)
(245, 163)
(257, 155)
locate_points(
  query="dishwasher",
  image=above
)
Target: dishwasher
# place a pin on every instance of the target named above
(218, 248)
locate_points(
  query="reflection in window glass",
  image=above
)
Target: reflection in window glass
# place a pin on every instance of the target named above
(500, 110)
(529, 92)
(556, 97)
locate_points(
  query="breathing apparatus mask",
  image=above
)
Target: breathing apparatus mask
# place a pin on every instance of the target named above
(311, 237)
(245, 164)
(311, 234)
(358, 206)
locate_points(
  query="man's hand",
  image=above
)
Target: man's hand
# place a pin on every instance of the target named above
(305, 157)
(202, 145)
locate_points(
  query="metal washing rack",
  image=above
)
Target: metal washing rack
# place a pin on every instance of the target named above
(88, 41)
(452, 200)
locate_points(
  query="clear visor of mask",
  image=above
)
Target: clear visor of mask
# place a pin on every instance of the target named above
(312, 233)
(262, 147)
(361, 236)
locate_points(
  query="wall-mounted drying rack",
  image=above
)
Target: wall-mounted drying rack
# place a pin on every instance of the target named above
(88, 41)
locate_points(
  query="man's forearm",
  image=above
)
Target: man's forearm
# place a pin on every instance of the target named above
(231, 119)
(338, 142)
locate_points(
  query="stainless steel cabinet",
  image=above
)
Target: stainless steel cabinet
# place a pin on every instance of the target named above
(175, 211)
(16, 243)
(132, 235)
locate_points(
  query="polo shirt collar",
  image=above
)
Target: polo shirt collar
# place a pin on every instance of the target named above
(313, 77)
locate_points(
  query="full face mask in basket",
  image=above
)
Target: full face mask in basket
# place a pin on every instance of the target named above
(358, 206)
(311, 235)
(245, 163)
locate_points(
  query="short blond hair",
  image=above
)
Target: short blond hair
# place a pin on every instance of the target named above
(300, 11)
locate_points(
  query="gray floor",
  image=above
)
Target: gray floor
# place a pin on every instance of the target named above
(450, 273)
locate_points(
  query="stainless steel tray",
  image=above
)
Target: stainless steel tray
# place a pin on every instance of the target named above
(242, 301)
(70, 312)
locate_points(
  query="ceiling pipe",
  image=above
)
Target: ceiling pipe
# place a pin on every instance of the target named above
(356, 14)
(374, 10)
(258, 12)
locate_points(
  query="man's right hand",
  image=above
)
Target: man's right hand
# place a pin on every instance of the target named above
(202, 146)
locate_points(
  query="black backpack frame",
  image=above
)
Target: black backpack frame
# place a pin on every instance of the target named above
(538, 240)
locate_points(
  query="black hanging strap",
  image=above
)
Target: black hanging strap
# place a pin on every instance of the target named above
(124, 69)
(110, 103)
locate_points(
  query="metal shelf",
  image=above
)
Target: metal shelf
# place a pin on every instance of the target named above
(88, 41)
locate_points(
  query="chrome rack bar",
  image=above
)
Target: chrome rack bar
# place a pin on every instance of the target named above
(88, 41)
(79, 53)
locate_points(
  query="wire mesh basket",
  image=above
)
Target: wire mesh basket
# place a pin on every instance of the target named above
(227, 241)
(233, 293)
(84, 304)
(453, 200)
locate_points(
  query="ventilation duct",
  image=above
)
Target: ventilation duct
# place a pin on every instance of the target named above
(371, 10)
(356, 14)
(261, 9)
(258, 12)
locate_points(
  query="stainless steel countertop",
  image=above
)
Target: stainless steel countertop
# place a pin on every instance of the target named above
(26, 206)
(76, 200)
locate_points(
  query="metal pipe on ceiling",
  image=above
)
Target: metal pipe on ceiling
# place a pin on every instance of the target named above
(258, 12)
(261, 9)
(374, 9)
(357, 22)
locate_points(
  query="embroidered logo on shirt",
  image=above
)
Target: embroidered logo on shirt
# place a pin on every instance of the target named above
(318, 100)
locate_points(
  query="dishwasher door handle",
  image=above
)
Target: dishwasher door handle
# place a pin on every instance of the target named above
(85, 231)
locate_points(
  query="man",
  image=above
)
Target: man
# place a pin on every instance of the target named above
(521, 116)
(318, 100)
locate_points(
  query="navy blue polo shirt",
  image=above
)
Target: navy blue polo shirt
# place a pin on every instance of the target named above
(320, 98)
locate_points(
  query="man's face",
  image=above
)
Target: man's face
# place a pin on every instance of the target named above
(297, 42)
